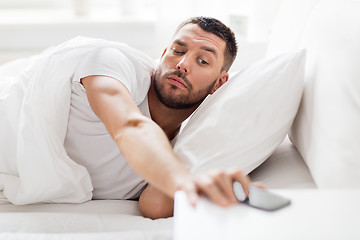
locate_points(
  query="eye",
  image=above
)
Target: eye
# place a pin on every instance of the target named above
(203, 62)
(177, 52)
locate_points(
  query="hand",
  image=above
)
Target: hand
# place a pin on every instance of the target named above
(217, 185)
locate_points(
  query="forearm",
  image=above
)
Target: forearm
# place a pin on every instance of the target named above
(141, 141)
(148, 151)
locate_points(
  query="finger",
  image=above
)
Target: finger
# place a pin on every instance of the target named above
(191, 193)
(209, 187)
(193, 198)
(225, 183)
(244, 180)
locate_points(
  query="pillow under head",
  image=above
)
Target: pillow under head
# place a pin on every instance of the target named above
(245, 120)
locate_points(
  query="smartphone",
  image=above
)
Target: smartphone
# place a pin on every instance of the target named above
(260, 198)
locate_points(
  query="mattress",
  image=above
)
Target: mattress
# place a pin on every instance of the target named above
(121, 219)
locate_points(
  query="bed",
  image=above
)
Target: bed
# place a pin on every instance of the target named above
(121, 219)
(290, 170)
(96, 219)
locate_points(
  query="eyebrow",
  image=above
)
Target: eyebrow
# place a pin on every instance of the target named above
(208, 49)
(179, 42)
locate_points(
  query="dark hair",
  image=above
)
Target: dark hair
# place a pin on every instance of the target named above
(216, 27)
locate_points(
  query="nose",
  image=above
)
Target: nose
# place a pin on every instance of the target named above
(183, 65)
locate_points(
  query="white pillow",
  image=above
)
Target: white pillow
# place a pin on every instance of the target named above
(245, 120)
(326, 131)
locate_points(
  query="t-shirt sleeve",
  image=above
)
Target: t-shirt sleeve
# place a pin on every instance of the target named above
(109, 62)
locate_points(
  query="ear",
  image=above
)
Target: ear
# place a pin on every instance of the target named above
(223, 78)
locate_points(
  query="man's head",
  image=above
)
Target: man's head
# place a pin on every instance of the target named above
(216, 27)
(195, 64)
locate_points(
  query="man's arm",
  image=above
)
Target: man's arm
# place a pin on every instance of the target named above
(141, 141)
(147, 150)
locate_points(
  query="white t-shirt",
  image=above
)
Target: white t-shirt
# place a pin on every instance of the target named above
(87, 141)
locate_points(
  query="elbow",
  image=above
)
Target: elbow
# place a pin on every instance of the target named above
(155, 204)
(155, 212)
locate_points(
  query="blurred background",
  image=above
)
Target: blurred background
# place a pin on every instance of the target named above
(28, 27)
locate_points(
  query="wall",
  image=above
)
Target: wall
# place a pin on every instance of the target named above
(147, 25)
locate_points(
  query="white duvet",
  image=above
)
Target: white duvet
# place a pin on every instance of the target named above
(34, 107)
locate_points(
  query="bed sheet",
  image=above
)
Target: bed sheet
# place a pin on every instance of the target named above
(121, 219)
(135, 235)
(96, 219)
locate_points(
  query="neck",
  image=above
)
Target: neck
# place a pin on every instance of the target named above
(168, 119)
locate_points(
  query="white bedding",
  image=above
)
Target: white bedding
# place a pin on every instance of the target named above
(34, 104)
(121, 219)
(96, 219)
(85, 236)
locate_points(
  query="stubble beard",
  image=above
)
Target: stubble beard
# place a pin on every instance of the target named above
(187, 101)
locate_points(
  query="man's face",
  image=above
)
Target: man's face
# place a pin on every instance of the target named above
(190, 68)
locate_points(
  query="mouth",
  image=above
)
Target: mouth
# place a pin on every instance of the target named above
(177, 82)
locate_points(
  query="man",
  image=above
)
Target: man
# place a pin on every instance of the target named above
(194, 65)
